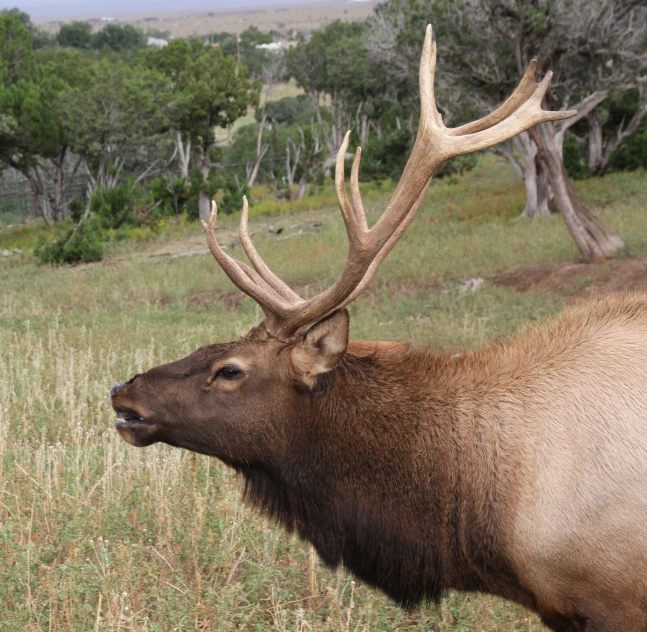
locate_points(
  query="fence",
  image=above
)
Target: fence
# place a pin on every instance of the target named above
(17, 199)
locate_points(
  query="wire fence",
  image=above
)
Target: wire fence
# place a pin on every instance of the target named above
(17, 204)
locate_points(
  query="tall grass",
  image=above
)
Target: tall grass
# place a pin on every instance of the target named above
(97, 535)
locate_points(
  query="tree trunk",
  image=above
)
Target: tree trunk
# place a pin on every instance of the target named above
(41, 202)
(594, 240)
(364, 130)
(204, 205)
(534, 178)
(184, 154)
(595, 141)
(260, 152)
(58, 200)
(530, 172)
(544, 192)
(377, 127)
(301, 190)
(205, 199)
(253, 173)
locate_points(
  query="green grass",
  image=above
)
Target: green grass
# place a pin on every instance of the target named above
(97, 535)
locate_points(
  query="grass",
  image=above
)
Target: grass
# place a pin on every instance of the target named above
(97, 535)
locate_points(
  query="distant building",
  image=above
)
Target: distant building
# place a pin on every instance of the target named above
(273, 46)
(276, 46)
(157, 42)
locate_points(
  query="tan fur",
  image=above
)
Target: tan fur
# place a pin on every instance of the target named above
(565, 404)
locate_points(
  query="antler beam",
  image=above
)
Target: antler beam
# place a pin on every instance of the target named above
(286, 312)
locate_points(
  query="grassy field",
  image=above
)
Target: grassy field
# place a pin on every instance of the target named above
(97, 535)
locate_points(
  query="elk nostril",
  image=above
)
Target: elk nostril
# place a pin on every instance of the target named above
(117, 387)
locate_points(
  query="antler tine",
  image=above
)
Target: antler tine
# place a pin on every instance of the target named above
(348, 214)
(428, 109)
(235, 270)
(522, 93)
(523, 118)
(257, 279)
(385, 250)
(279, 287)
(358, 207)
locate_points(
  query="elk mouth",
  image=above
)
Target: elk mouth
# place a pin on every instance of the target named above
(136, 430)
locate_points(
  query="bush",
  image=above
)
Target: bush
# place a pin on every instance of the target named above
(631, 155)
(574, 162)
(126, 211)
(232, 198)
(114, 207)
(170, 195)
(83, 246)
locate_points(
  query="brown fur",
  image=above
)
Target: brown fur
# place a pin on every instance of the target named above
(518, 470)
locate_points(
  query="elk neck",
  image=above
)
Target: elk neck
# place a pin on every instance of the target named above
(391, 469)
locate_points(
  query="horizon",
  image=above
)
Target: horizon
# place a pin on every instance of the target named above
(41, 9)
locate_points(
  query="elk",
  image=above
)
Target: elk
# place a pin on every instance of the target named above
(518, 470)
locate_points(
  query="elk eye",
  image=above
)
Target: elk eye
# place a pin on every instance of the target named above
(230, 372)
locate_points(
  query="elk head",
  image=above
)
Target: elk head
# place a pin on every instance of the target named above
(240, 401)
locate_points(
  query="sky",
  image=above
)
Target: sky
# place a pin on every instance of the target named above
(40, 9)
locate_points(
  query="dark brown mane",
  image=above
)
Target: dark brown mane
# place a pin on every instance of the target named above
(366, 523)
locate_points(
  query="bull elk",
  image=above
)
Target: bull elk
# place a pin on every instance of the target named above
(519, 470)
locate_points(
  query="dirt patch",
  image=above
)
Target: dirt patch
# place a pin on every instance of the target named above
(579, 280)
(162, 301)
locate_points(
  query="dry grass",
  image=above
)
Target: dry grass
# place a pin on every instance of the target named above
(97, 535)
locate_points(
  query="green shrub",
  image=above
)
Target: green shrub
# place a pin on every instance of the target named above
(114, 207)
(170, 195)
(574, 163)
(232, 197)
(385, 157)
(83, 246)
(631, 155)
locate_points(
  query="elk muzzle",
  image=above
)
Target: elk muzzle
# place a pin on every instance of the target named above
(133, 425)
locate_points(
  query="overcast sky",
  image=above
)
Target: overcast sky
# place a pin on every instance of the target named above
(65, 8)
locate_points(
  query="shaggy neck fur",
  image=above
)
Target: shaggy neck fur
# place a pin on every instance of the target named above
(391, 472)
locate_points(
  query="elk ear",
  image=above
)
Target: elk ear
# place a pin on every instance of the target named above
(321, 348)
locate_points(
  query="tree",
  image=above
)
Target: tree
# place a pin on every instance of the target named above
(210, 90)
(75, 35)
(272, 73)
(611, 124)
(17, 61)
(244, 48)
(118, 121)
(41, 38)
(119, 37)
(486, 46)
(335, 62)
(35, 140)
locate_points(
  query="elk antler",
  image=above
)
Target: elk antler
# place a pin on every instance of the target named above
(287, 312)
